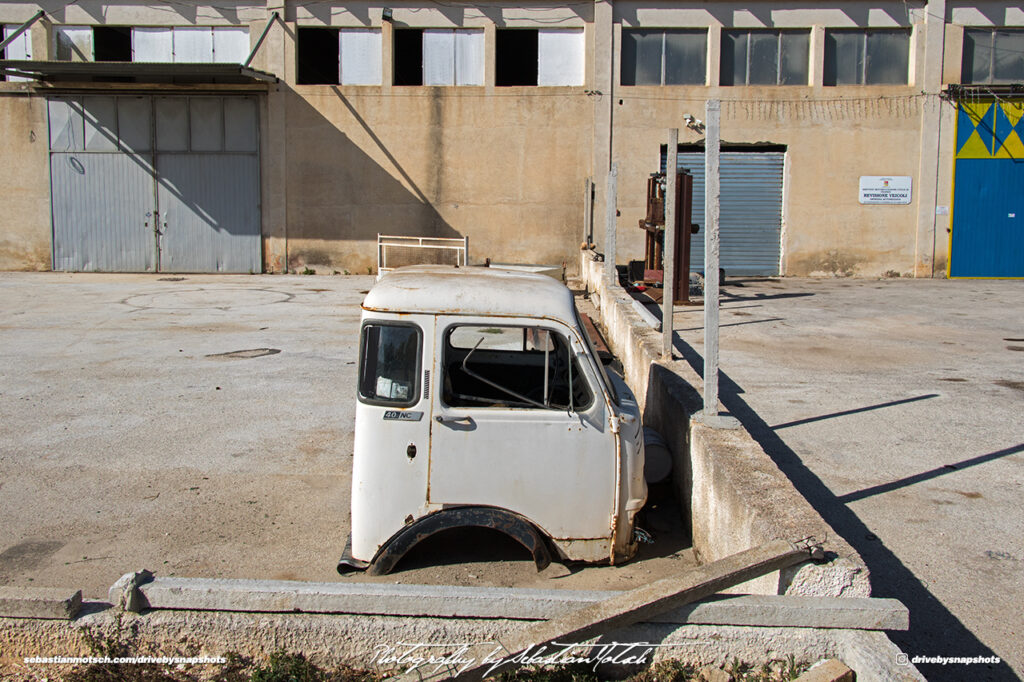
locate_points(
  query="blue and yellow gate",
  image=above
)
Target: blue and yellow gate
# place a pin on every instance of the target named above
(987, 237)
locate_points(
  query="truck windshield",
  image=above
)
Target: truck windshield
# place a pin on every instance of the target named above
(389, 364)
(509, 366)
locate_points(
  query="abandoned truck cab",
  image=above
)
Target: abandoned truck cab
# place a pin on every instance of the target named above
(481, 402)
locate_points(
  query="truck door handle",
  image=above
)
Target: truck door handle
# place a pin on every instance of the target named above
(452, 419)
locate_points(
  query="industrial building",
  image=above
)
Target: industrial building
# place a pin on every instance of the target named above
(874, 138)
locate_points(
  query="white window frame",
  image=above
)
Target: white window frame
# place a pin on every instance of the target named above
(561, 56)
(360, 56)
(453, 56)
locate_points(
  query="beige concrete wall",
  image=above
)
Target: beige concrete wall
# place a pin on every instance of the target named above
(830, 144)
(25, 235)
(506, 166)
(505, 170)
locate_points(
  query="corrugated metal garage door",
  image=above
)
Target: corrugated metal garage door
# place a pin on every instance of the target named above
(751, 210)
(143, 184)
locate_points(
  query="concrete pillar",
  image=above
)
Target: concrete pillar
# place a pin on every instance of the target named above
(817, 50)
(933, 30)
(604, 77)
(714, 70)
(277, 56)
(712, 195)
(41, 40)
(387, 58)
(490, 51)
(610, 233)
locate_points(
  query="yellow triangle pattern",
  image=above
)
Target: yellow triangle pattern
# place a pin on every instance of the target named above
(974, 148)
(976, 110)
(1012, 148)
(1013, 112)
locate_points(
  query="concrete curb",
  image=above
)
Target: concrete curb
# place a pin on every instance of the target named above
(39, 602)
(446, 601)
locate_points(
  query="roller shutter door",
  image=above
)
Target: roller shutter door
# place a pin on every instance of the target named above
(751, 210)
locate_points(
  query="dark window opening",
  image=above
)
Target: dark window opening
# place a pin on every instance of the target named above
(993, 55)
(516, 61)
(764, 57)
(318, 53)
(112, 43)
(408, 56)
(663, 57)
(389, 364)
(867, 56)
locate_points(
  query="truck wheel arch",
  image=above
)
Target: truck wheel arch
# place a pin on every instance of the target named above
(511, 524)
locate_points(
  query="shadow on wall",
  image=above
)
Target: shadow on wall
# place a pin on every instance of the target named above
(339, 198)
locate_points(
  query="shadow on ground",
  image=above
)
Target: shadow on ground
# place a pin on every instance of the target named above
(934, 630)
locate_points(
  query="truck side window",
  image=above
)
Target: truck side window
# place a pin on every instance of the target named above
(526, 367)
(389, 364)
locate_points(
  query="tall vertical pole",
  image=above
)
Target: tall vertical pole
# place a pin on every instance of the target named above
(712, 196)
(669, 251)
(611, 208)
(588, 213)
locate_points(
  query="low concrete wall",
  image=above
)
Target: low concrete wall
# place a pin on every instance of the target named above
(733, 493)
(360, 640)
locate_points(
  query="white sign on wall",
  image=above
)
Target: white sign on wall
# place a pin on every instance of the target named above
(885, 189)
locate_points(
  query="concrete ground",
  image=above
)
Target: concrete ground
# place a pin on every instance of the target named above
(897, 409)
(132, 436)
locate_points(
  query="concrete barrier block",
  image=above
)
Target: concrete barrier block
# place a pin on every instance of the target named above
(449, 601)
(39, 602)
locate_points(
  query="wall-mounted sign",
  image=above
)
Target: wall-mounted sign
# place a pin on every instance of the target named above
(885, 189)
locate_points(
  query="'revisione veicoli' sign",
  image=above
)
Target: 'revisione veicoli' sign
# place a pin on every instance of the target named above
(885, 189)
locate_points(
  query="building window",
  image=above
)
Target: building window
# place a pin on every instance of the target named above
(429, 56)
(867, 56)
(112, 43)
(318, 56)
(18, 49)
(179, 44)
(539, 57)
(664, 57)
(993, 55)
(765, 57)
(349, 56)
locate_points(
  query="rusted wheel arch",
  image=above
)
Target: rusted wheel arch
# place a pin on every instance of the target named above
(511, 524)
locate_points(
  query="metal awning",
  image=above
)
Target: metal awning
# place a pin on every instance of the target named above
(134, 72)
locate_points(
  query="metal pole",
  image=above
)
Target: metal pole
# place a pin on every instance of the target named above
(588, 213)
(21, 29)
(669, 251)
(270, 22)
(609, 229)
(712, 195)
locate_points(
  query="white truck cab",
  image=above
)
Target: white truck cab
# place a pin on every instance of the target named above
(482, 403)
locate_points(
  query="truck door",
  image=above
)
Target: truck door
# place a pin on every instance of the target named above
(519, 423)
(392, 435)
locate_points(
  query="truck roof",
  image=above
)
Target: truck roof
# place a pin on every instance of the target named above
(443, 289)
